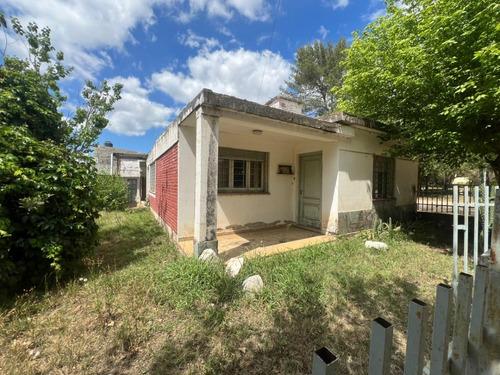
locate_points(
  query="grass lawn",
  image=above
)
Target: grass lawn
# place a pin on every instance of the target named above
(142, 308)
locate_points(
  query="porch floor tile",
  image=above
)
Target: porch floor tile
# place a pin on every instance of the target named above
(262, 242)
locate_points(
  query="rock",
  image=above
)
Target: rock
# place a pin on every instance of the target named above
(234, 266)
(209, 256)
(253, 284)
(376, 245)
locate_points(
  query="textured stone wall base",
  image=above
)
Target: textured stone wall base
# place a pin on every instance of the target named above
(355, 221)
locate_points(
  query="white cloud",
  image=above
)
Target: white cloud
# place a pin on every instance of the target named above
(81, 28)
(238, 73)
(263, 38)
(371, 17)
(225, 31)
(196, 41)
(323, 32)
(336, 3)
(135, 113)
(254, 10)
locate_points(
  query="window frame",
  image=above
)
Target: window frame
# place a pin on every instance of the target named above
(383, 165)
(248, 157)
(152, 177)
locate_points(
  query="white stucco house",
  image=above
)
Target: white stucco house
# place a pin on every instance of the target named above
(227, 164)
(129, 165)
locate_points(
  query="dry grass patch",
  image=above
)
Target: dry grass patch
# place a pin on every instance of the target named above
(143, 309)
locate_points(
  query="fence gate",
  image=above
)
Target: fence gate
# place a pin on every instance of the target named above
(465, 205)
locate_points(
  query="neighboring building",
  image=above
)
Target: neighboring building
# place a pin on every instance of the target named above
(130, 165)
(227, 164)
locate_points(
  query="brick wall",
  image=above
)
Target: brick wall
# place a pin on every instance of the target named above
(164, 203)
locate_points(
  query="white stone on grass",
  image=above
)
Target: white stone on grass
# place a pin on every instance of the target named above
(209, 256)
(253, 284)
(376, 245)
(234, 266)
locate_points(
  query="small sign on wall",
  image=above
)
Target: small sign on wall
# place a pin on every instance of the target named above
(285, 169)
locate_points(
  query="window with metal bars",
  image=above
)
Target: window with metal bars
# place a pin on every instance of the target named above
(152, 177)
(383, 177)
(242, 171)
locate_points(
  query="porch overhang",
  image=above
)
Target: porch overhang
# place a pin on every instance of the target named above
(243, 113)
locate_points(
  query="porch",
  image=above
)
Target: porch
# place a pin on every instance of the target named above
(261, 242)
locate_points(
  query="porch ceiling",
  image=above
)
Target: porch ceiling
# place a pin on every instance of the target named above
(274, 131)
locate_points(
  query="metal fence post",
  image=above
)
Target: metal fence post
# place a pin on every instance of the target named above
(477, 319)
(380, 347)
(461, 324)
(415, 347)
(489, 357)
(441, 330)
(325, 362)
(455, 236)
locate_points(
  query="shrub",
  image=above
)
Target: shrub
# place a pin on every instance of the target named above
(111, 192)
(47, 208)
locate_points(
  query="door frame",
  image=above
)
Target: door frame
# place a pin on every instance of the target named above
(299, 186)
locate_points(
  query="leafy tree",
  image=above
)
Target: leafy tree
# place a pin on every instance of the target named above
(111, 192)
(48, 204)
(317, 69)
(430, 70)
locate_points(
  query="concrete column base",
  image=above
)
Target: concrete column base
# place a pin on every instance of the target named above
(199, 247)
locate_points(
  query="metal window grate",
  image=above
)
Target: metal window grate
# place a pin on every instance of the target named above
(383, 177)
(152, 177)
(242, 170)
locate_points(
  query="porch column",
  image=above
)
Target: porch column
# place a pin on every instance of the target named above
(207, 155)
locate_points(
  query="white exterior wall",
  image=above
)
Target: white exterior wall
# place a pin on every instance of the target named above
(329, 191)
(356, 173)
(186, 156)
(129, 168)
(406, 182)
(235, 210)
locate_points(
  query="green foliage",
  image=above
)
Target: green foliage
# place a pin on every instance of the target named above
(47, 208)
(111, 192)
(90, 120)
(317, 69)
(429, 70)
(48, 205)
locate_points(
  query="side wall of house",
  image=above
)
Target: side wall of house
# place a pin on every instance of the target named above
(164, 198)
(164, 201)
(357, 209)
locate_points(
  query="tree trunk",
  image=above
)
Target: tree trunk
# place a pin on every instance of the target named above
(495, 165)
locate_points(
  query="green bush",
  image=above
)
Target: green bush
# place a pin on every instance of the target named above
(111, 192)
(47, 208)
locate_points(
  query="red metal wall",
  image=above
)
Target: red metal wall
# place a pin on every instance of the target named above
(167, 179)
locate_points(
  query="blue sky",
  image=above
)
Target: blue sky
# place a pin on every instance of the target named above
(166, 51)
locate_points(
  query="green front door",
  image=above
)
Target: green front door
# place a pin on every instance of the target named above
(310, 180)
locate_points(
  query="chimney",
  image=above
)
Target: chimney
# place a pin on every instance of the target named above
(108, 144)
(285, 104)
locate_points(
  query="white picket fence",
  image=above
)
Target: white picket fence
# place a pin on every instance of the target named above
(475, 342)
(464, 203)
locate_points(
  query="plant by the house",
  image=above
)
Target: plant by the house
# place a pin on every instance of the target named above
(48, 205)
(111, 192)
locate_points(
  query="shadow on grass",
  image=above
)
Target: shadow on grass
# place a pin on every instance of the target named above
(313, 310)
(124, 236)
(428, 232)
